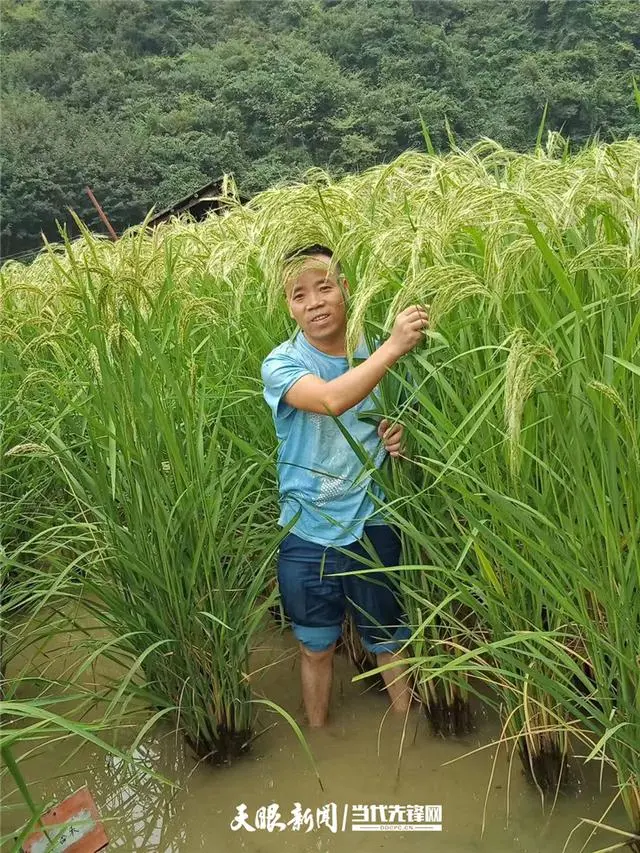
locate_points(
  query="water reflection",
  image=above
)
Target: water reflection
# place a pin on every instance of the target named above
(142, 813)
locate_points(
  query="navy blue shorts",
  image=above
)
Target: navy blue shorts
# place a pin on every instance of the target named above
(315, 599)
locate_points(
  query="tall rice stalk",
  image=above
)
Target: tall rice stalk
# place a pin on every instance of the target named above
(531, 436)
(186, 521)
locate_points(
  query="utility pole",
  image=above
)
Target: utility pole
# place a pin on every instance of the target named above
(101, 213)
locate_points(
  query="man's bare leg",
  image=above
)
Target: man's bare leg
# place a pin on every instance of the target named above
(396, 681)
(316, 669)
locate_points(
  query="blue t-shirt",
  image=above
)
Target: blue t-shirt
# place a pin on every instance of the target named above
(320, 475)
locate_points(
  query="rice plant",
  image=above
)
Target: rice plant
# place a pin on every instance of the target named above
(527, 428)
(183, 521)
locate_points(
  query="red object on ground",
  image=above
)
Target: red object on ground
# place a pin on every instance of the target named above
(83, 832)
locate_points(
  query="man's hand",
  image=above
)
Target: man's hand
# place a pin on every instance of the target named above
(408, 329)
(391, 435)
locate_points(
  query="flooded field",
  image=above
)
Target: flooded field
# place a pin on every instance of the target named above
(358, 761)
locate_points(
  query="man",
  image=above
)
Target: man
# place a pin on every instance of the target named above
(308, 385)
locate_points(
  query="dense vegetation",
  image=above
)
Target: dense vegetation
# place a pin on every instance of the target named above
(145, 100)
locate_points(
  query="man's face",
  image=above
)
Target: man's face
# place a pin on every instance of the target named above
(315, 295)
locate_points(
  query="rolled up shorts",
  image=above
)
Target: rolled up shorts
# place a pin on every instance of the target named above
(316, 595)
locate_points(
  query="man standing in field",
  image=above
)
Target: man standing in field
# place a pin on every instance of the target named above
(307, 380)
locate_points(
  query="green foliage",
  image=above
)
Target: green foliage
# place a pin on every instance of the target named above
(147, 101)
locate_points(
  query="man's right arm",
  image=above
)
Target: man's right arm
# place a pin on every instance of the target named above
(312, 394)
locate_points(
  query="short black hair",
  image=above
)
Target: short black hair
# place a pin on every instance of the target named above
(309, 251)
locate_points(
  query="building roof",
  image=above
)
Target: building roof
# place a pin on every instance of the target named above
(197, 203)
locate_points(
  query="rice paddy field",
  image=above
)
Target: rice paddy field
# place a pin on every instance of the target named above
(141, 639)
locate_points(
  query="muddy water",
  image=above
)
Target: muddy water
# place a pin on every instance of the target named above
(357, 758)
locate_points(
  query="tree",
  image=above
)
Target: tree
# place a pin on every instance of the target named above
(145, 101)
